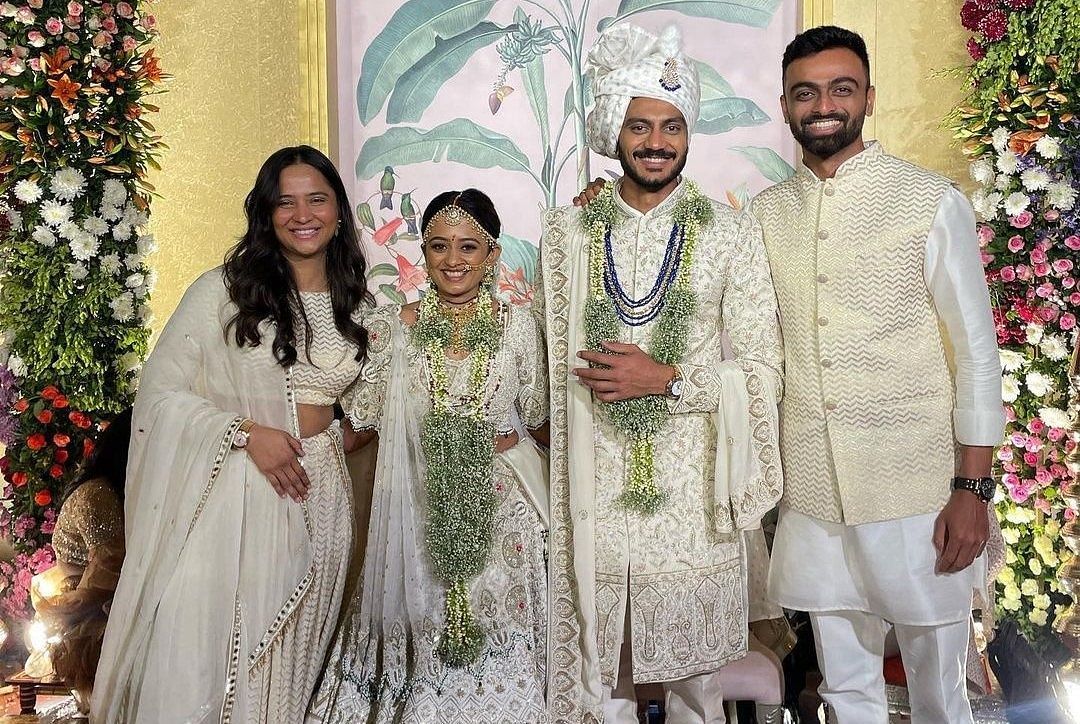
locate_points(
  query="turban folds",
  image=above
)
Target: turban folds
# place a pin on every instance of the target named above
(629, 62)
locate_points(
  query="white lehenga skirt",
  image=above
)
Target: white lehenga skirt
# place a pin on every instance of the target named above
(281, 672)
(397, 676)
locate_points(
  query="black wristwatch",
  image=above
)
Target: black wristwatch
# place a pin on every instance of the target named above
(983, 487)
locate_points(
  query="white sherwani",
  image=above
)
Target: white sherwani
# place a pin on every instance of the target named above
(681, 571)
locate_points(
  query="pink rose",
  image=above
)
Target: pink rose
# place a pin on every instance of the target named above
(130, 44)
(1043, 504)
(1068, 283)
(107, 8)
(1031, 458)
(1021, 220)
(1010, 413)
(1047, 314)
(1004, 454)
(1023, 272)
(1062, 266)
(1055, 434)
(1073, 242)
(149, 22)
(1018, 439)
(1034, 443)
(35, 64)
(986, 234)
(1008, 274)
(72, 38)
(25, 16)
(986, 258)
(1015, 243)
(36, 4)
(1074, 298)
(1009, 467)
(1036, 425)
(75, 9)
(101, 39)
(1051, 214)
(1069, 514)
(1038, 255)
(124, 10)
(1067, 321)
(12, 66)
(35, 38)
(109, 25)
(54, 26)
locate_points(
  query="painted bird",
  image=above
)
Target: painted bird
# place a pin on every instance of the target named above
(386, 186)
(408, 212)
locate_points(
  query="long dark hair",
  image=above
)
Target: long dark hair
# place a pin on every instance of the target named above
(260, 281)
(108, 461)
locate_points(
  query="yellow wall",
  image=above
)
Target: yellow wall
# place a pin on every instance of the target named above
(233, 101)
(910, 45)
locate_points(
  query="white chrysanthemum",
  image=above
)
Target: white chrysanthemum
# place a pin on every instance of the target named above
(77, 271)
(1003, 182)
(1054, 417)
(55, 213)
(114, 193)
(16, 365)
(1037, 616)
(1054, 348)
(1011, 361)
(44, 236)
(1016, 203)
(95, 226)
(1008, 162)
(28, 191)
(151, 280)
(1000, 139)
(1048, 147)
(69, 230)
(1029, 587)
(1061, 196)
(1033, 333)
(68, 183)
(110, 263)
(146, 244)
(982, 171)
(14, 218)
(83, 247)
(133, 261)
(146, 315)
(136, 282)
(121, 232)
(1034, 179)
(986, 204)
(111, 213)
(1010, 388)
(123, 307)
(1038, 383)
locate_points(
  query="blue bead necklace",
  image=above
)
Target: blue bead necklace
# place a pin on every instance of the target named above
(637, 312)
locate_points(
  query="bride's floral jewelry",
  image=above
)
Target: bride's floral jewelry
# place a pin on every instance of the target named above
(454, 215)
(459, 446)
(671, 301)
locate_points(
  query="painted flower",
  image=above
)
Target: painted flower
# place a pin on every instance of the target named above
(410, 276)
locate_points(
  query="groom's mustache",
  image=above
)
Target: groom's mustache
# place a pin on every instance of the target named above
(654, 154)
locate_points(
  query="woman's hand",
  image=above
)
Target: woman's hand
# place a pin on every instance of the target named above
(277, 455)
(505, 442)
(352, 440)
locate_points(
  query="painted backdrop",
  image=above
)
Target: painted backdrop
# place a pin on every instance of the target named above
(446, 94)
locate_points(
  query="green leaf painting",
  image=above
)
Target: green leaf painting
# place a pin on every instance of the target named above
(391, 293)
(418, 86)
(768, 162)
(382, 270)
(713, 84)
(411, 34)
(720, 115)
(755, 13)
(518, 254)
(460, 140)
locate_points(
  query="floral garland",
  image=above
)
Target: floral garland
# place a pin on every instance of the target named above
(75, 150)
(459, 446)
(1020, 129)
(641, 418)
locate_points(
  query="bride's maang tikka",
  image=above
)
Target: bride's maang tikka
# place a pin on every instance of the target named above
(454, 215)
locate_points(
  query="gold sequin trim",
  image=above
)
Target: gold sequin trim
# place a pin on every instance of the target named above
(234, 664)
(223, 449)
(282, 618)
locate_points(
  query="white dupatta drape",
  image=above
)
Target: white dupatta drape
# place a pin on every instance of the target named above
(213, 554)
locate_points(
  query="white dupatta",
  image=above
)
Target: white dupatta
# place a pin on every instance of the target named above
(212, 553)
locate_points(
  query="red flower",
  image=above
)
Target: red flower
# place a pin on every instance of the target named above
(61, 456)
(975, 50)
(36, 441)
(87, 447)
(44, 416)
(386, 231)
(56, 471)
(50, 393)
(61, 440)
(60, 402)
(80, 419)
(18, 478)
(43, 498)
(970, 15)
(21, 405)
(993, 25)
(1019, 4)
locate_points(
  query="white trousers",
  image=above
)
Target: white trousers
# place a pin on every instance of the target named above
(850, 650)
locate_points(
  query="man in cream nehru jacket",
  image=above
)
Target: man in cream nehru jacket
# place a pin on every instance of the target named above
(892, 400)
(661, 454)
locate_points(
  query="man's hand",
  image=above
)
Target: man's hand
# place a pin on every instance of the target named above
(627, 373)
(960, 531)
(589, 192)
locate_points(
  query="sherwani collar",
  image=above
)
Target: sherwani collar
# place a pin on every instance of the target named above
(663, 208)
(871, 152)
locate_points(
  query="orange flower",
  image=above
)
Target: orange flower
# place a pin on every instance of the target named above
(410, 276)
(36, 441)
(18, 478)
(50, 392)
(60, 402)
(21, 405)
(87, 447)
(43, 498)
(61, 440)
(58, 62)
(65, 90)
(44, 417)
(386, 231)
(62, 456)
(150, 70)
(1022, 141)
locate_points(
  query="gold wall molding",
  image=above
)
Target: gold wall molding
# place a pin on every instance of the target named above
(314, 78)
(816, 12)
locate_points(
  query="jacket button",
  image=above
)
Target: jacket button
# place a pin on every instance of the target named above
(823, 234)
(830, 405)
(822, 278)
(826, 363)
(822, 321)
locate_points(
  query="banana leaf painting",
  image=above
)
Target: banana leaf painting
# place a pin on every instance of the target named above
(451, 94)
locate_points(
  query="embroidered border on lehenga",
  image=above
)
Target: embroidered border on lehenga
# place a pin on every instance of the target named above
(219, 459)
(232, 666)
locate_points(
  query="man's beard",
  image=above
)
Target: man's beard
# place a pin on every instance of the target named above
(651, 185)
(825, 146)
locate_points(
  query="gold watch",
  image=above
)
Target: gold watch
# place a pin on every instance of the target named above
(243, 434)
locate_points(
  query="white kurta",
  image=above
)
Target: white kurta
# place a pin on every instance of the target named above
(819, 565)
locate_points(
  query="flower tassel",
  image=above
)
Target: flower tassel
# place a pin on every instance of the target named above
(462, 639)
(640, 494)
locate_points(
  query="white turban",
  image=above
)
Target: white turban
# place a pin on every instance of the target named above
(629, 62)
